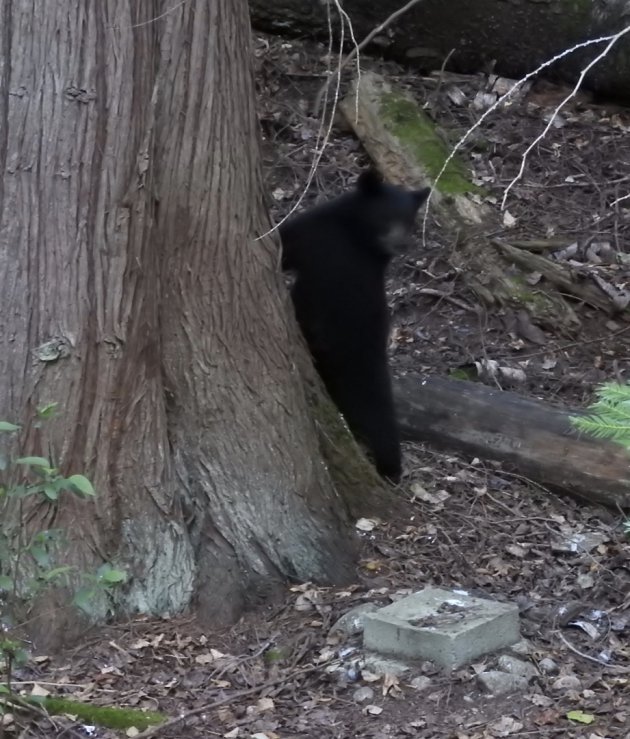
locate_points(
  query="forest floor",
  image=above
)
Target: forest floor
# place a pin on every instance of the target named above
(280, 673)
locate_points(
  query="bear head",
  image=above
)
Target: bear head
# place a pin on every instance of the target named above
(388, 212)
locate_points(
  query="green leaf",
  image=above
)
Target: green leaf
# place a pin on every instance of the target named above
(114, 576)
(47, 411)
(107, 574)
(581, 717)
(83, 597)
(4, 689)
(21, 657)
(34, 461)
(81, 485)
(56, 572)
(40, 555)
(20, 491)
(6, 583)
(6, 426)
(46, 536)
(50, 491)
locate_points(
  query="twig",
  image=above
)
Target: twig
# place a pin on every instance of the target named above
(243, 659)
(611, 42)
(322, 135)
(358, 48)
(518, 83)
(436, 92)
(564, 347)
(155, 730)
(597, 661)
(446, 296)
(618, 200)
(151, 20)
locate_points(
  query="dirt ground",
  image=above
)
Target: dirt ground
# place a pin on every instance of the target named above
(279, 673)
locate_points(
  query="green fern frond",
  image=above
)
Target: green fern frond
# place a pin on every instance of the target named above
(609, 416)
(614, 392)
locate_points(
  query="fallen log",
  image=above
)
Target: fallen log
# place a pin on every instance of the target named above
(519, 35)
(538, 439)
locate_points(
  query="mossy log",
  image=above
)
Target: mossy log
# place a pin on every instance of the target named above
(538, 439)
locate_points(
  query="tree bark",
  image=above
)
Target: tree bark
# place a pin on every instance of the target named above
(538, 439)
(519, 35)
(134, 294)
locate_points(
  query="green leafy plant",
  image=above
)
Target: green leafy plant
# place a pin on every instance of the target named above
(105, 578)
(30, 561)
(609, 418)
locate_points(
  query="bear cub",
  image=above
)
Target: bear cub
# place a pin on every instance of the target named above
(339, 252)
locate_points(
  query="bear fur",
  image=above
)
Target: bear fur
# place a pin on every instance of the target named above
(339, 252)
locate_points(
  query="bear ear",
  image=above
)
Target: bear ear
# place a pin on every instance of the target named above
(421, 195)
(369, 182)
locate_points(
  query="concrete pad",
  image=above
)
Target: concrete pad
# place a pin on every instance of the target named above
(447, 627)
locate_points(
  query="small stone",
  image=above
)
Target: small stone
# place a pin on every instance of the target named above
(373, 710)
(351, 623)
(567, 682)
(380, 666)
(420, 683)
(548, 666)
(522, 647)
(515, 666)
(363, 694)
(498, 683)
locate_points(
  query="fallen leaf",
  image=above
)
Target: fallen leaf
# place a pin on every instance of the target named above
(140, 644)
(204, 659)
(581, 717)
(38, 690)
(508, 219)
(390, 684)
(373, 710)
(366, 524)
(265, 704)
(505, 726)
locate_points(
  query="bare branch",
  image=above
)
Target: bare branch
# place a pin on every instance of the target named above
(612, 41)
(359, 47)
(590, 42)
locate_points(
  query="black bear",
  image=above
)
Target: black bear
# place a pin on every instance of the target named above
(338, 252)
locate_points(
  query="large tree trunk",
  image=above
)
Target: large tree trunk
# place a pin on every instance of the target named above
(519, 35)
(133, 293)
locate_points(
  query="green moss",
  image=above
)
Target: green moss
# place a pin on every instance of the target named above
(464, 373)
(277, 654)
(107, 716)
(523, 294)
(354, 477)
(417, 132)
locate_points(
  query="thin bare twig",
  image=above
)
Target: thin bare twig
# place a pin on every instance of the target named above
(168, 11)
(611, 39)
(155, 730)
(358, 48)
(323, 134)
(611, 42)
(570, 646)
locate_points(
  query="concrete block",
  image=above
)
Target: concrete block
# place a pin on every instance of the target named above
(447, 627)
